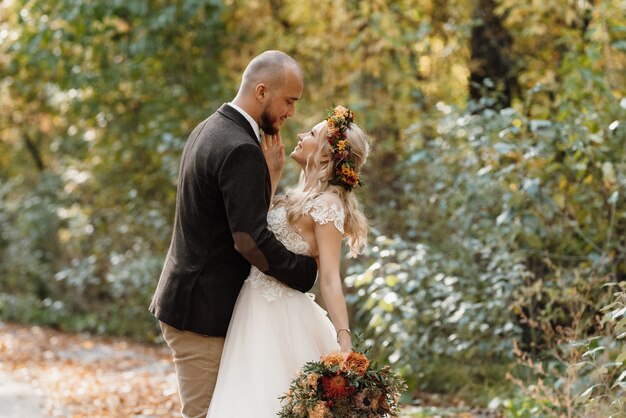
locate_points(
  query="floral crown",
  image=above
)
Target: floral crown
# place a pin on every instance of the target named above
(345, 175)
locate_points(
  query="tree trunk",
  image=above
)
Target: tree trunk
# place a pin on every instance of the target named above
(491, 65)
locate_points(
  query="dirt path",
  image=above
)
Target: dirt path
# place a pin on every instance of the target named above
(18, 399)
(47, 373)
(75, 375)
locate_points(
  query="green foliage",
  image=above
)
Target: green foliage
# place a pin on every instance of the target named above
(490, 227)
(99, 97)
(416, 302)
(579, 375)
(520, 216)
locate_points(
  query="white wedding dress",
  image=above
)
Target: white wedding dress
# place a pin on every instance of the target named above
(274, 330)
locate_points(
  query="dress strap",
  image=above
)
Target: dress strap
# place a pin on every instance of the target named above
(322, 212)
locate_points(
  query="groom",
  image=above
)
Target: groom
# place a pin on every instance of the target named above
(220, 227)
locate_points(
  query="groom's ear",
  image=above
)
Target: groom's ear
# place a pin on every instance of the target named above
(260, 92)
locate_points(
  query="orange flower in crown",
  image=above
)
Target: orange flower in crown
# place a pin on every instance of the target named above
(345, 175)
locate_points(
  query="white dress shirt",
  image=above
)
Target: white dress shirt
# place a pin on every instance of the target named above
(255, 126)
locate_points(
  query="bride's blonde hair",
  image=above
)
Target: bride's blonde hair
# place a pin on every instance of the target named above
(320, 169)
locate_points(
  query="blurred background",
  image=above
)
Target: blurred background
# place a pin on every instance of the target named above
(495, 275)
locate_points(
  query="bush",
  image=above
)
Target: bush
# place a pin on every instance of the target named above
(524, 224)
(578, 375)
(56, 271)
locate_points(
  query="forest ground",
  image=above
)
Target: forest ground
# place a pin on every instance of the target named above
(49, 373)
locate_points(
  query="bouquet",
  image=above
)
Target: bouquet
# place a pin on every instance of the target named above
(337, 386)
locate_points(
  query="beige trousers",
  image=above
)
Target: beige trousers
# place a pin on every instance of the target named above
(197, 360)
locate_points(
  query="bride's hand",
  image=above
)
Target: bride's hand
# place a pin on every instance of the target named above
(345, 344)
(274, 152)
(345, 352)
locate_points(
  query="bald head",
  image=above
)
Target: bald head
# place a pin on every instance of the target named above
(269, 68)
(270, 87)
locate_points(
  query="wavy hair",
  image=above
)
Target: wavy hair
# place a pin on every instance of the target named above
(314, 180)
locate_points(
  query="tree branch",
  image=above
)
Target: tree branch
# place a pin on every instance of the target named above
(34, 152)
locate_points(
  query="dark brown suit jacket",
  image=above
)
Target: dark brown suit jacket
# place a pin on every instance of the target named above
(220, 229)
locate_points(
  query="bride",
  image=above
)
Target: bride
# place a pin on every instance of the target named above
(274, 329)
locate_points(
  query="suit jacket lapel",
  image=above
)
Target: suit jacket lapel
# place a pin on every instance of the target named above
(238, 118)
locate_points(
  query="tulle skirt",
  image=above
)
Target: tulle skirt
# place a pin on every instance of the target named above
(268, 340)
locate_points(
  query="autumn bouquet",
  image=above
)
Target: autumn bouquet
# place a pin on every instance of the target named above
(339, 386)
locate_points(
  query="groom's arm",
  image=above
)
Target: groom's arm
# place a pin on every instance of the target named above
(242, 181)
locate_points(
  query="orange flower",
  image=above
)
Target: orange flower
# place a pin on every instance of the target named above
(332, 359)
(356, 362)
(341, 110)
(299, 409)
(348, 175)
(311, 380)
(318, 411)
(338, 121)
(289, 396)
(383, 404)
(374, 403)
(335, 386)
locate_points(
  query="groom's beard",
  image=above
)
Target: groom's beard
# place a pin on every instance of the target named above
(267, 122)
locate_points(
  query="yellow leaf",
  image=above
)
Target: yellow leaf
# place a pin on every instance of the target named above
(391, 280)
(559, 199)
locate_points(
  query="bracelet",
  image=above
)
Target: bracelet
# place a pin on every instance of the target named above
(343, 329)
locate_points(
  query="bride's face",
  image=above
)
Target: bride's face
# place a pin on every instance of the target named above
(308, 144)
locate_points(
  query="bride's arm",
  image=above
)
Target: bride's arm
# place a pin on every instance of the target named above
(274, 152)
(328, 240)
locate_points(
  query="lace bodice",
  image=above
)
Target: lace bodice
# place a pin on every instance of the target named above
(277, 222)
(292, 240)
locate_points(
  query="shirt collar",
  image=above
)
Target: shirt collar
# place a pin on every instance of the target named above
(255, 126)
